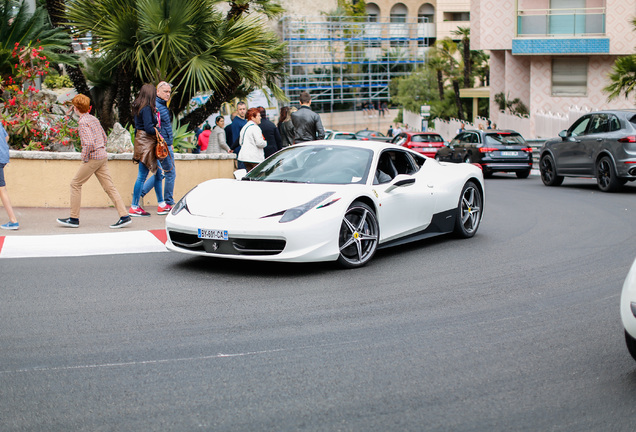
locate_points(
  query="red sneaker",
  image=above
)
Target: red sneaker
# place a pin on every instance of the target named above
(164, 210)
(138, 212)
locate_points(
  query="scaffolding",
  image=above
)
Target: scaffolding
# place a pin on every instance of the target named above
(351, 60)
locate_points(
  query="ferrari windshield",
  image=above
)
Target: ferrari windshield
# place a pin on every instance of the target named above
(321, 164)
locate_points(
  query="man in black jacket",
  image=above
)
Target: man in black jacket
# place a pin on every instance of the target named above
(306, 122)
(270, 133)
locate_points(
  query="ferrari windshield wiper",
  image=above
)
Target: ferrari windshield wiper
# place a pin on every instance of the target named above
(283, 181)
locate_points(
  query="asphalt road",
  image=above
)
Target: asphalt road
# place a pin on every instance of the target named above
(517, 329)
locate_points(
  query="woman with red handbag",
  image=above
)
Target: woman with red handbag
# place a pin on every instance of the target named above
(145, 114)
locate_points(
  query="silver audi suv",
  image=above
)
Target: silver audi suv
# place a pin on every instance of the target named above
(600, 144)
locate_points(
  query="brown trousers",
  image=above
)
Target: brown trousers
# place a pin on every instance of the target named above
(100, 169)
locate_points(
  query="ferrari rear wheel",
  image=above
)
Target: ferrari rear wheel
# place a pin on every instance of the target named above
(468, 211)
(359, 234)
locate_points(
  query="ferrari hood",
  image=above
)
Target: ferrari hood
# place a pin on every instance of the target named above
(251, 199)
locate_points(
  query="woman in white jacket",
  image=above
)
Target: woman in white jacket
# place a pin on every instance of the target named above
(252, 141)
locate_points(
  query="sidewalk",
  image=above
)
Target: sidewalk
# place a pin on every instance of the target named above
(41, 236)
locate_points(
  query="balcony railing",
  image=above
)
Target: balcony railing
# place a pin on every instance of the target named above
(561, 22)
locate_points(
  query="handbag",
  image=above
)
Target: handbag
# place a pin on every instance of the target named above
(161, 149)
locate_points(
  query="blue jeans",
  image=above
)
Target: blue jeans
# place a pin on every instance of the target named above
(141, 178)
(168, 172)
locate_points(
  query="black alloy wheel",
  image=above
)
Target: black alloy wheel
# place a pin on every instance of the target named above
(548, 171)
(606, 175)
(359, 236)
(523, 174)
(469, 210)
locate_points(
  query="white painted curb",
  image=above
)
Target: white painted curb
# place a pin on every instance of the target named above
(68, 245)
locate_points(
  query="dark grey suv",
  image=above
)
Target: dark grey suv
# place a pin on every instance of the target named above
(600, 144)
(493, 150)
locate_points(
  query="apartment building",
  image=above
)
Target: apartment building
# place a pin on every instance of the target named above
(553, 54)
(440, 18)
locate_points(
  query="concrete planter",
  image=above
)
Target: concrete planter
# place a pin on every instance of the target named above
(42, 179)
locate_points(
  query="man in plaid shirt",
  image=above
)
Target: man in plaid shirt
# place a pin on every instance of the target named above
(94, 161)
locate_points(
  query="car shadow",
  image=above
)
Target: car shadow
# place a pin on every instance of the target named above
(236, 267)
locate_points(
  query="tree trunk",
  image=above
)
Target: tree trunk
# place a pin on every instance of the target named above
(213, 104)
(236, 10)
(124, 79)
(458, 101)
(106, 106)
(467, 64)
(440, 84)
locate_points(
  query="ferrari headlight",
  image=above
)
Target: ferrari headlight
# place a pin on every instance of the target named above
(296, 212)
(182, 204)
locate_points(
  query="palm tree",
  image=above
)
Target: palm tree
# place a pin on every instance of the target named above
(464, 32)
(240, 7)
(437, 64)
(186, 42)
(447, 49)
(481, 66)
(19, 25)
(623, 76)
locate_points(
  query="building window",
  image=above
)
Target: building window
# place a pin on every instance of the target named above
(456, 16)
(399, 33)
(569, 76)
(373, 12)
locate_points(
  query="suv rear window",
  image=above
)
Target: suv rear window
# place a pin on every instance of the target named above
(504, 139)
(633, 120)
(426, 138)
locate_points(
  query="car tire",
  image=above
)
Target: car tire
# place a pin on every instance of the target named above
(523, 174)
(631, 344)
(548, 171)
(606, 175)
(359, 236)
(469, 211)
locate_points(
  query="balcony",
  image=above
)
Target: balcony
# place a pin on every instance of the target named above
(584, 22)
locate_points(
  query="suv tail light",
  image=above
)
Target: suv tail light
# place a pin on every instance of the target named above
(487, 149)
(527, 149)
(628, 139)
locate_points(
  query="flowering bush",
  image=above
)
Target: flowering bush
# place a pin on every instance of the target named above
(26, 115)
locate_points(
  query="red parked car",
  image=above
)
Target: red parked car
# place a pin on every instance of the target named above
(426, 143)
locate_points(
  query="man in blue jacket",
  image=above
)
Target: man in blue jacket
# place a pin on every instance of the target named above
(167, 165)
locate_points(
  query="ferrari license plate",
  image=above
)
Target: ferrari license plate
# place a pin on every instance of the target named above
(509, 153)
(212, 234)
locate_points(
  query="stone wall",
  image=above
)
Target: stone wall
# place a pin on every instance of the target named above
(42, 179)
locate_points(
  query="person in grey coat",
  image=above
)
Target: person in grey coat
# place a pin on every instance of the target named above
(306, 122)
(217, 143)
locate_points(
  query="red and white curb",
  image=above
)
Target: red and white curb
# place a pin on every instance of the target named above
(68, 245)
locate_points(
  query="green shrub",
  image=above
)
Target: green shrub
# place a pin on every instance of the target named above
(59, 81)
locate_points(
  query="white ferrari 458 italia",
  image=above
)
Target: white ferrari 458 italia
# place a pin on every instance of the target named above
(328, 201)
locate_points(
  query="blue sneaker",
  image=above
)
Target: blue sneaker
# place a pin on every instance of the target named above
(10, 226)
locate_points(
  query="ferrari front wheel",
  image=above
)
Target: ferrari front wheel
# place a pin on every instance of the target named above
(469, 211)
(359, 235)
